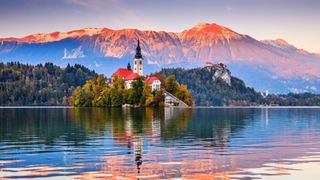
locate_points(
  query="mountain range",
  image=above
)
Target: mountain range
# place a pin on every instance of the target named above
(272, 65)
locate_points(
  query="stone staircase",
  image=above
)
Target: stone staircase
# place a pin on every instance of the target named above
(172, 100)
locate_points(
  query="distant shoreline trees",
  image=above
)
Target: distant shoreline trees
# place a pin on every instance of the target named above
(42, 84)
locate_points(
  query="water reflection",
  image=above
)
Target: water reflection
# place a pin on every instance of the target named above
(141, 143)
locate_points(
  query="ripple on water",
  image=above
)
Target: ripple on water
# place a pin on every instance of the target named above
(150, 143)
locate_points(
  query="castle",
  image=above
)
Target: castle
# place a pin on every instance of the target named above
(130, 75)
(220, 71)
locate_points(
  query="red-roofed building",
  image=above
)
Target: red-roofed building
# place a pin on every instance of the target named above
(127, 75)
(209, 64)
(154, 82)
(129, 79)
(132, 76)
(122, 72)
(217, 66)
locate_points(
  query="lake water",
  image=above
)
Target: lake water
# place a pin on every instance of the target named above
(203, 143)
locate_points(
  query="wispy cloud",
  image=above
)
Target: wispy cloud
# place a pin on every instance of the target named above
(124, 14)
(93, 4)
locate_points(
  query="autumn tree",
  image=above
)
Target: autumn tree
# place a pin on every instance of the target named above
(184, 95)
(171, 84)
(147, 96)
(180, 91)
(116, 91)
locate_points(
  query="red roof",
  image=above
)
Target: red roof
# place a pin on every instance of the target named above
(132, 76)
(122, 72)
(217, 66)
(150, 80)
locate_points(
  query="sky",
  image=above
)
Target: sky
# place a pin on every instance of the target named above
(296, 21)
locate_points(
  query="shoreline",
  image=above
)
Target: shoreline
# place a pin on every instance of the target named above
(196, 107)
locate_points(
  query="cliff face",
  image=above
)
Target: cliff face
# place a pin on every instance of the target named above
(219, 71)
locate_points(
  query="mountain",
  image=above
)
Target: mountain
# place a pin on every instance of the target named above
(272, 65)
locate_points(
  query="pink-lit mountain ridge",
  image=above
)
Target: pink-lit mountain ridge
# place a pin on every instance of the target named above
(271, 65)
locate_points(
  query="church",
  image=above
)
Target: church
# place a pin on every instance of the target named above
(129, 74)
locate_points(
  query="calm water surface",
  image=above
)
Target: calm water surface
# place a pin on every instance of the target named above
(99, 143)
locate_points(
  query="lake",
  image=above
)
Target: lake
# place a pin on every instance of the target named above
(138, 143)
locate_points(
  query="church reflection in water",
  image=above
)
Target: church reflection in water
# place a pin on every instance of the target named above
(151, 136)
(146, 125)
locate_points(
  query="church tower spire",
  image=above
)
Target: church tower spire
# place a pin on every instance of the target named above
(138, 66)
(138, 51)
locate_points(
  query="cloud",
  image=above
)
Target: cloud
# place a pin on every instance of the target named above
(119, 12)
(97, 64)
(94, 4)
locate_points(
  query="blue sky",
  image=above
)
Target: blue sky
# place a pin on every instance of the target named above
(296, 21)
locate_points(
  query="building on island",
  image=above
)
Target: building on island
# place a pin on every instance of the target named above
(154, 82)
(129, 79)
(129, 75)
(209, 64)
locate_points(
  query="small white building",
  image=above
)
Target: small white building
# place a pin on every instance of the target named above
(209, 64)
(154, 82)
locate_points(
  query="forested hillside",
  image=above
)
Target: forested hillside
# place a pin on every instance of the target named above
(48, 84)
(209, 91)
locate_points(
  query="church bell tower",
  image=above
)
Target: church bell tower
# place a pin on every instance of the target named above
(138, 61)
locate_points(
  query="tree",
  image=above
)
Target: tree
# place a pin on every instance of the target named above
(147, 97)
(116, 97)
(99, 84)
(184, 95)
(78, 95)
(116, 91)
(158, 98)
(137, 89)
(171, 85)
(105, 98)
